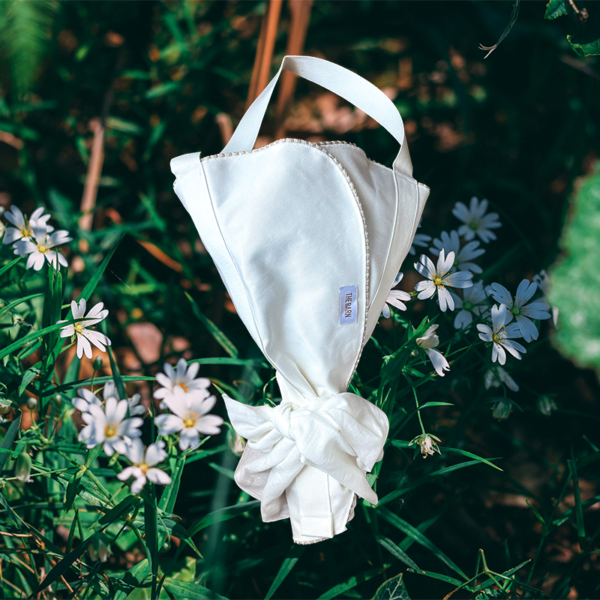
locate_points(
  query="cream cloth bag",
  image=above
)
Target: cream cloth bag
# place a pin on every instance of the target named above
(308, 238)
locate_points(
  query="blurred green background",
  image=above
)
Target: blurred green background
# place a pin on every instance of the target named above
(519, 128)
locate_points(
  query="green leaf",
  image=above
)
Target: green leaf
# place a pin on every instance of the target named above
(163, 89)
(63, 566)
(584, 45)
(151, 527)
(26, 29)
(28, 377)
(392, 589)
(34, 335)
(116, 374)
(579, 331)
(219, 336)
(223, 514)
(470, 455)
(114, 514)
(9, 266)
(555, 9)
(90, 286)
(8, 440)
(418, 537)
(441, 577)
(169, 496)
(10, 306)
(335, 591)
(133, 579)
(288, 564)
(398, 552)
(191, 591)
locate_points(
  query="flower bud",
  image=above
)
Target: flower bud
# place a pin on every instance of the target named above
(236, 442)
(546, 405)
(57, 400)
(99, 549)
(502, 409)
(5, 406)
(32, 403)
(23, 467)
(97, 364)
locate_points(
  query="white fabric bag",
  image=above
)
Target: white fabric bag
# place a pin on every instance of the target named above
(308, 238)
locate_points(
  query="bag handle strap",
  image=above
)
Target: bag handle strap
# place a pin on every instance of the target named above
(342, 82)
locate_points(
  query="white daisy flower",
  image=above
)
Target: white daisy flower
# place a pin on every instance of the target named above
(180, 378)
(476, 222)
(463, 256)
(40, 246)
(23, 227)
(520, 310)
(501, 335)
(438, 280)
(428, 343)
(81, 328)
(85, 399)
(474, 303)
(136, 409)
(144, 465)
(395, 298)
(189, 417)
(497, 376)
(108, 426)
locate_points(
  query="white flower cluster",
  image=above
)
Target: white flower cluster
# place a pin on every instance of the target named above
(34, 237)
(454, 270)
(116, 423)
(189, 401)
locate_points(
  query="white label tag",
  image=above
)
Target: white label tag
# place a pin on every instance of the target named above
(348, 304)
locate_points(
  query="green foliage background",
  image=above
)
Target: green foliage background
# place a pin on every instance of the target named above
(520, 129)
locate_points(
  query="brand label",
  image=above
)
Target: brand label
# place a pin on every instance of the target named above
(348, 304)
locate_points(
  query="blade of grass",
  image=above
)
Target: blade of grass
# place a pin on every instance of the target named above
(219, 336)
(288, 564)
(418, 537)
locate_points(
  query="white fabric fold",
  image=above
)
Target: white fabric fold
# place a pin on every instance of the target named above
(341, 436)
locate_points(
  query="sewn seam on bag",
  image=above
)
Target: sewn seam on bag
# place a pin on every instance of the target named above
(368, 258)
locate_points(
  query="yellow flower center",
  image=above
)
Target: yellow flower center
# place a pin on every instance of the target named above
(190, 419)
(496, 338)
(143, 468)
(183, 386)
(515, 310)
(110, 430)
(43, 249)
(78, 327)
(437, 280)
(467, 305)
(25, 230)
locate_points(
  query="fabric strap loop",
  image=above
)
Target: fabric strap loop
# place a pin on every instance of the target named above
(339, 80)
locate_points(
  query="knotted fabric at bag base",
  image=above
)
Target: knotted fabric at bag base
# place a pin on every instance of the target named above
(308, 238)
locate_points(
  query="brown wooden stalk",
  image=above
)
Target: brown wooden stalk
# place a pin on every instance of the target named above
(300, 11)
(264, 51)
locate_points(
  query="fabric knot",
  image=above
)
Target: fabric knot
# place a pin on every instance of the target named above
(281, 416)
(341, 435)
